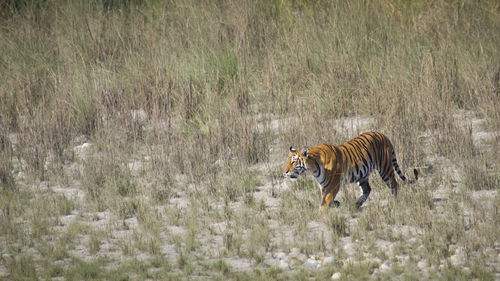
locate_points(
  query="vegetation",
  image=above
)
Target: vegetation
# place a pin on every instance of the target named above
(146, 139)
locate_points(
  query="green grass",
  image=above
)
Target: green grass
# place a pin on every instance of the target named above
(190, 108)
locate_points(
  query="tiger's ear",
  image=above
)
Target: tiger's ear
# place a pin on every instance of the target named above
(292, 149)
(304, 152)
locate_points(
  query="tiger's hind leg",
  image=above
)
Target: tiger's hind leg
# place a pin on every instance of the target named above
(392, 184)
(365, 189)
(390, 180)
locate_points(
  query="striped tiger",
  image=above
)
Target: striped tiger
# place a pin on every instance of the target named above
(353, 161)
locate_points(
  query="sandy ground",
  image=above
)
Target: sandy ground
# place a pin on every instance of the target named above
(115, 233)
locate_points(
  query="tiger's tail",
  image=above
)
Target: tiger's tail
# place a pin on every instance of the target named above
(400, 174)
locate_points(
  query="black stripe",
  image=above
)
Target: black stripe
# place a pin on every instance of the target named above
(365, 164)
(383, 176)
(318, 170)
(361, 143)
(350, 156)
(370, 156)
(373, 135)
(355, 150)
(321, 183)
(381, 158)
(396, 167)
(328, 179)
(363, 172)
(324, 179)
(388, 169)
(365, 138)
(366, 147)
(376, 153)
(344, 153)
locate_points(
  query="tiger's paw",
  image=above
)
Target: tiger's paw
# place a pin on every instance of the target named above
(359, 204)
(334, 203)
(359, 207)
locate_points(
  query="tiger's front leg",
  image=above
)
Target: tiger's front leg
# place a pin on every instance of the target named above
(328, 195)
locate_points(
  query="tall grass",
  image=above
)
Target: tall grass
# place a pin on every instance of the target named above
(205, 69)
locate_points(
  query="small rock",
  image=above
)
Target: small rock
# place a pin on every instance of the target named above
(349, 249)
(328, 260)
(348, 261)
(135, 166)
(385, 266)
(295, 262)
(60, 262)
(4, 274)
(422, 264)
(452, 248)
(336, 276)
(301, 257)
(283, 265)
(491, 253)
(311, 264)
(295, 251)
(466, 270)
(82, 150)
(220, 162)
(139, 115)
(402, 259)
(86, 145)
(280, 255)
(20, 176)
(456, 260)
(271, 262)
(6, 256)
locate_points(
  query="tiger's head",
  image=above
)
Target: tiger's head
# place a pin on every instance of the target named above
(296, 163)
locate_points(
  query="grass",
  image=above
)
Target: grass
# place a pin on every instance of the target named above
(146, 140)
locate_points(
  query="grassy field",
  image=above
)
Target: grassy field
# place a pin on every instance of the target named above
(146, 140)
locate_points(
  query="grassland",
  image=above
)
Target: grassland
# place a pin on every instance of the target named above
(146, 140)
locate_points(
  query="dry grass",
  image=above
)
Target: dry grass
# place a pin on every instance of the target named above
(146, 140)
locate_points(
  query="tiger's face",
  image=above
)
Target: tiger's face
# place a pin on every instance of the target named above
(295, 164)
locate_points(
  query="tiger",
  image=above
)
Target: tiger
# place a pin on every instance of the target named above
(353, 161)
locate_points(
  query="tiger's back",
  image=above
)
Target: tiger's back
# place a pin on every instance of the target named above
(367, 152)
